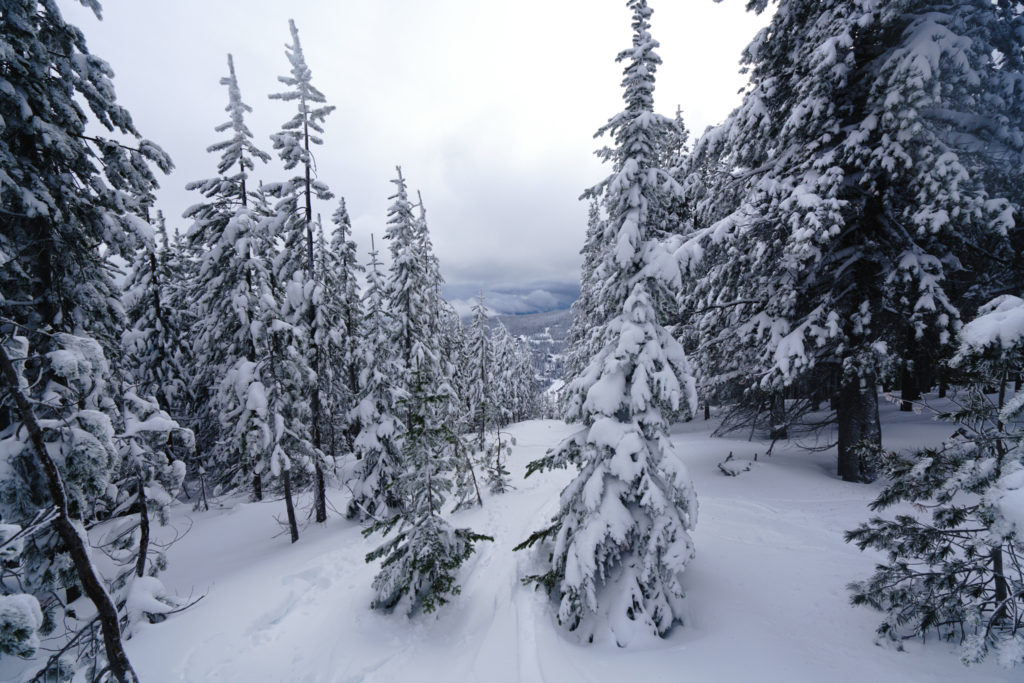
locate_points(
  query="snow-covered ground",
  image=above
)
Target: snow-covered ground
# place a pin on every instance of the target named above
(766, 593)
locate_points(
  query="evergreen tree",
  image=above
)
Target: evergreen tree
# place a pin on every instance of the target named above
(479, 359)
(155, 346)
(289, 444)
(504, 389)
(153, 448)
(341, 271)
(580, 347)
(71, 202)
(959, 573)
(294, 223)
(424, 552)
(378, 443)
(239, 150)
(421, 557)
(620, 539)
(228, 241)
(62, 466)
(407, 287)
(526, 402)
(496, 456)
(862, 148)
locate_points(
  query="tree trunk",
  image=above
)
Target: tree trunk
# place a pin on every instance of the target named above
(1002, 589)
(320, 495)
(257, 487)
(140, 562)
(860, 434)
(202, 491)
(777, 415)
(320, 491)
(707, 410)
(293, 526)
(910, 390)
(72, 535)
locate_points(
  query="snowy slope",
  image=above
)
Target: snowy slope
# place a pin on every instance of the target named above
(766, 593)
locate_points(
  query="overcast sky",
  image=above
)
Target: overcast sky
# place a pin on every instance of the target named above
(489, 106)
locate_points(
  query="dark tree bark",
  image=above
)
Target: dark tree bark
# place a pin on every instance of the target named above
(320, 491)
(257, 487)
(140, 563)
(910, 389)
(777, 415)
(1001, 586)
(293, 526)
(860, 434)
(72, 535)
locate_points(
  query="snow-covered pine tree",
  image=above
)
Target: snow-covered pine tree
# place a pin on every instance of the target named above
(261, 399)
(959, 572)
(341, 273)
(424, 552)
(153, 448)
(615, 550)
(422, 556)
(62, 460)
(227, 240)
(239, 150)
(378, 443)
(296, 266)
(504, 350)
(496, 454)
(863, 146)
(524, 392)
(452, 345)
(445, 334)
(431, 267)
(155, 344)
(480, 373)
(456, 344)
(285, 373)
(580, 347)
(70, 204)
(407, 289)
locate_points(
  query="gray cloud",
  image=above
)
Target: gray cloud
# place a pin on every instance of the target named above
(530, 297)
(489, 107)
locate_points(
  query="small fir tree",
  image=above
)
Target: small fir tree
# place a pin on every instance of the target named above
(424, 552)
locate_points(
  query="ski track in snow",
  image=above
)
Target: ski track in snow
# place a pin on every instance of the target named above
(766, 593)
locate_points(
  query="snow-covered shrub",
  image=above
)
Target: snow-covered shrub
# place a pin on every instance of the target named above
(20, 621)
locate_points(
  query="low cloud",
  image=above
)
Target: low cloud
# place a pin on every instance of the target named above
(505, 299)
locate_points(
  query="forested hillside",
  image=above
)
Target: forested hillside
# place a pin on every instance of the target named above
(849, 235)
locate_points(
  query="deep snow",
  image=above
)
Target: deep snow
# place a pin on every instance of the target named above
(766, 593)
